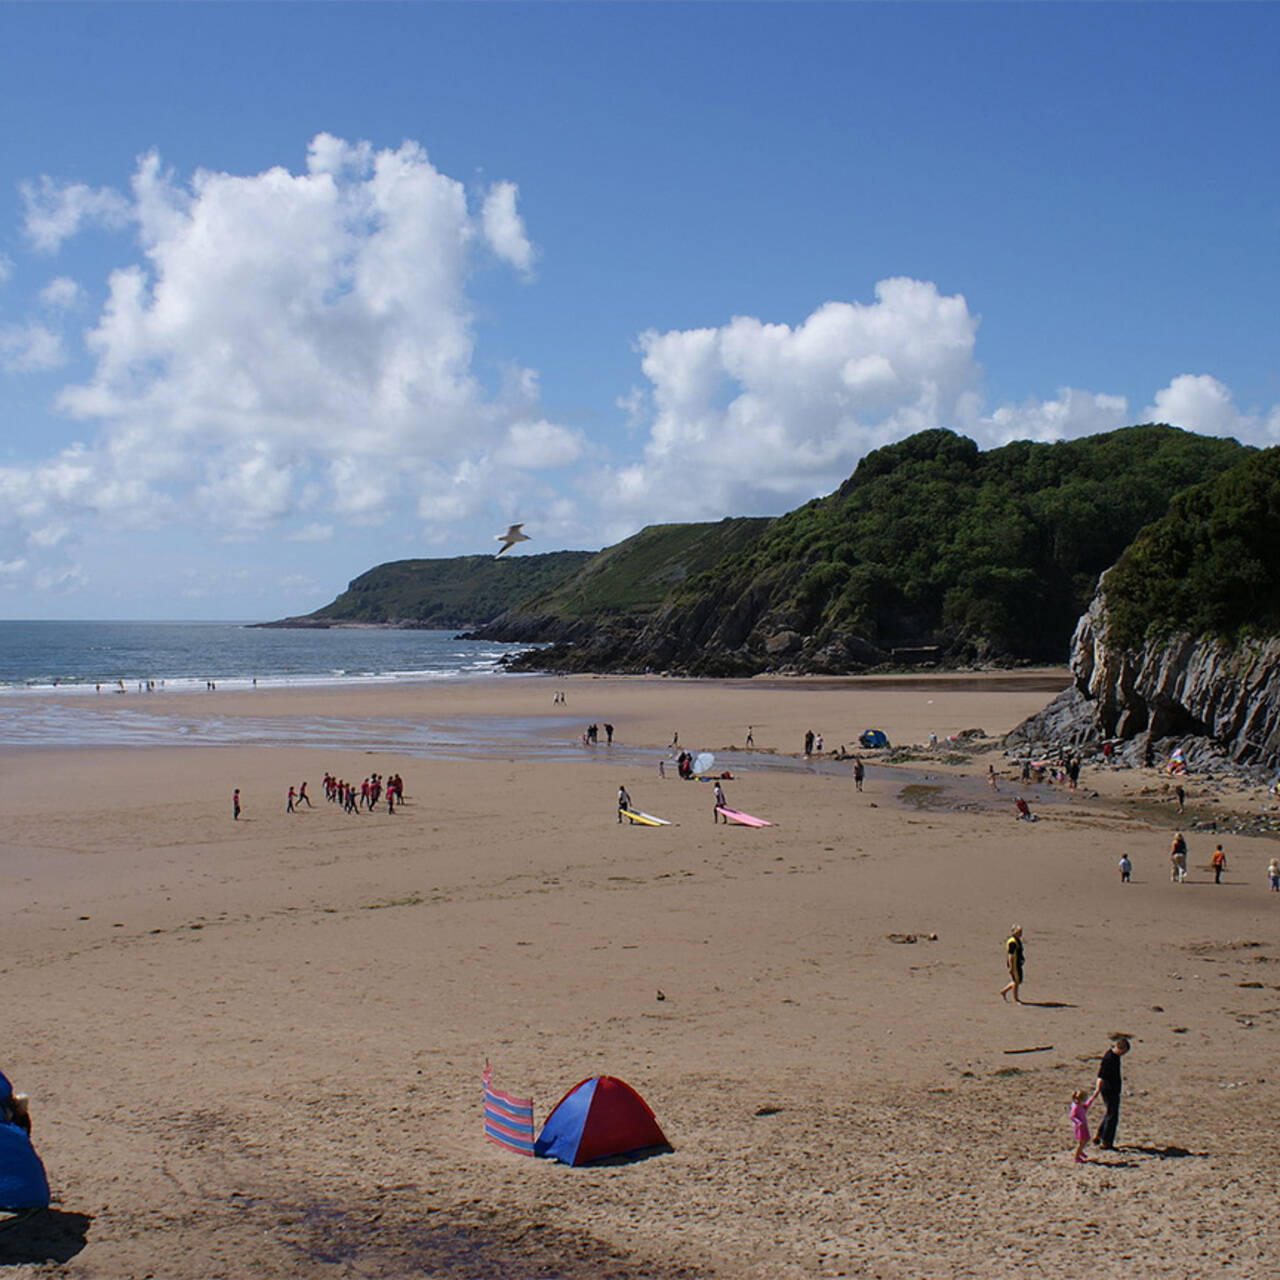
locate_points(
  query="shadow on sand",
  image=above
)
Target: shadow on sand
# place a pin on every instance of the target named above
(42, 1235)
(1171, 1153)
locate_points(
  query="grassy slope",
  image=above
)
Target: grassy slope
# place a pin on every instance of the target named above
(636, 575)
(459, 592)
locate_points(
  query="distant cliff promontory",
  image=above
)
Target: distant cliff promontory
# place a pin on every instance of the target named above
(443, 595)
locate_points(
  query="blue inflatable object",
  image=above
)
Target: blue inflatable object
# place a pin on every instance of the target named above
(23, 1184)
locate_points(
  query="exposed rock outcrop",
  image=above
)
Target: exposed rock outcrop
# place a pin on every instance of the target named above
(1201, 693)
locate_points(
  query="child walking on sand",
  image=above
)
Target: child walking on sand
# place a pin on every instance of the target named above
(1080, 1123)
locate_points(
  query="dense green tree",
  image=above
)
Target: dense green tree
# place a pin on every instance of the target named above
(932, 541)
(1207, 567)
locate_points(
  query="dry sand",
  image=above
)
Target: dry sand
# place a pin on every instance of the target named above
(254, 1048)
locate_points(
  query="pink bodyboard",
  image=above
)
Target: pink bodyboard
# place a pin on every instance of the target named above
(742, 819)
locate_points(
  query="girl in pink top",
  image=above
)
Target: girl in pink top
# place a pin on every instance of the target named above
(1080, 1123)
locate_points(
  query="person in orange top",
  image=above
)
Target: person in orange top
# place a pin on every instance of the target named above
(1219, 864)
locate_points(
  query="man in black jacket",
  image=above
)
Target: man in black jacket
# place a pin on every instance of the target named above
(1108, 1086)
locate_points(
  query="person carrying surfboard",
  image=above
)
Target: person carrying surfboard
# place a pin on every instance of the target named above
(624, 802)
(719, 803)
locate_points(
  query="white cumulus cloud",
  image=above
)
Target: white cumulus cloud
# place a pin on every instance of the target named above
(30, 348)
(1199, 402)
(54, 211)
(504, 228)
(282, 341)
(754, 416)
(61, 294)
(1073, 413)
(538, 445)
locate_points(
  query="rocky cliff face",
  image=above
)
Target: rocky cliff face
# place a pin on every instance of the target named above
(1199, 693)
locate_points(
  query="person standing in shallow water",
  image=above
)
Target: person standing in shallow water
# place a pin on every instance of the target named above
(1013, 955)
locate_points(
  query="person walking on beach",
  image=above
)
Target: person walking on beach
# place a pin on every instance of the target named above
(751, 737)
(1109, 1084)
(1079, 1113)
(1178, 858)
(1219, 864)
(1273, 875)
(859, 772)
(718, 804)
(624, 802)
(288, 808)
(235, 804)
(1014, 958)
(1126, 867)
(608, 734)
(302, 795)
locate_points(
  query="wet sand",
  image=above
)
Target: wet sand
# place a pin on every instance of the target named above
(254, 1047)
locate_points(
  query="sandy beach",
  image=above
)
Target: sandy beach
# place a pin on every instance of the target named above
(254, 1048)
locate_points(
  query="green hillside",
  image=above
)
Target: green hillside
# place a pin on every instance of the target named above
(932, 542)
(636, 575)
(463, 591)
(1209, 566)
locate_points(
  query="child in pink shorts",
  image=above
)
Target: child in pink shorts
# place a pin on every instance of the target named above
(1080, 1123)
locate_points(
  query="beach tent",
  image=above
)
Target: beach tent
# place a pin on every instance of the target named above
(598, 1117)
(873, 738)
(23, 1184)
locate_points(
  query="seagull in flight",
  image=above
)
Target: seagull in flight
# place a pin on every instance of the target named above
(510, 538)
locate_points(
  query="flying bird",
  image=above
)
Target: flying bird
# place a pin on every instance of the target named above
(510, 538)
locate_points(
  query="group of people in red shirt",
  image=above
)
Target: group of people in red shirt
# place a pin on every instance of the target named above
(367, 795)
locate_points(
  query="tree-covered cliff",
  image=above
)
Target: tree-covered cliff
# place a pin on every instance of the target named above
(931, 548)
(1209, 566)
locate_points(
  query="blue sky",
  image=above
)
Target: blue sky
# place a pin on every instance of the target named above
(290, 290)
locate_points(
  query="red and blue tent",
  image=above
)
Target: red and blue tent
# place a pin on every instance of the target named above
(601, 1116)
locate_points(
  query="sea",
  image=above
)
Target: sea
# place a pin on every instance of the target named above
(47, 668)
(181, 656)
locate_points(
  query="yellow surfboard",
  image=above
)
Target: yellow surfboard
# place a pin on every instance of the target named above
(645, 819)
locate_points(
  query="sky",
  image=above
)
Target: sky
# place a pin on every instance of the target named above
(290, 290)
